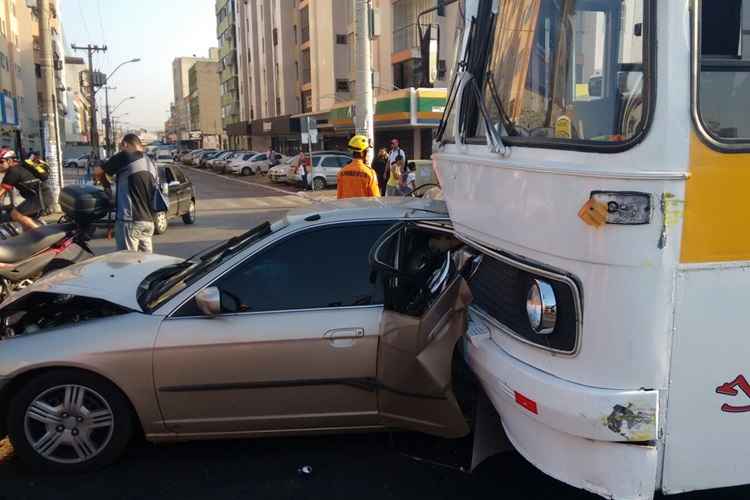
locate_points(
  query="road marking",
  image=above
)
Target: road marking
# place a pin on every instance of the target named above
(228, 179)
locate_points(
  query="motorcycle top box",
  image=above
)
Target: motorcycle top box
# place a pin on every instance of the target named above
(84, 204)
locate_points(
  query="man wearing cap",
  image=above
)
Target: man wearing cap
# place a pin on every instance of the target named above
(27, 185)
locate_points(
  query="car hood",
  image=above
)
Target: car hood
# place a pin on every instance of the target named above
(113, 277)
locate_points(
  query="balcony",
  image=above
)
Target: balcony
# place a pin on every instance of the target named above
(406, 37)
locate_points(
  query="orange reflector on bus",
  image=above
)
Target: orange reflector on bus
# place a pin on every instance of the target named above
(527, 403)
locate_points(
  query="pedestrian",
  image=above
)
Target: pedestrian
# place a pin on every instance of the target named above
(136, 181)
(380, 166)
(302, 170)
(396, 163)
(28, 185)
(357, 179)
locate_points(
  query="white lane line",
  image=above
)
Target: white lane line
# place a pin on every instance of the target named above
(271, 188)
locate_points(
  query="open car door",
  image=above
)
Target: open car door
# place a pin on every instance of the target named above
(421, 266)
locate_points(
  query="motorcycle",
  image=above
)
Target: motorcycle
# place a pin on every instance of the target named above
(32, 254)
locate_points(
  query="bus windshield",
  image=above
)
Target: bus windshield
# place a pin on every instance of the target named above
(569, 71)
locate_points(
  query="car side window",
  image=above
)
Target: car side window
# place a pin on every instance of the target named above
(179, 175)
(168, 175)
(261, 158)
(343, 161)
(316, 161)
(319, 268)
(329, 161)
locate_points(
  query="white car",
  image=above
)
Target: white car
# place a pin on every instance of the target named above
(284, 171)
(257, 164)
(325, 168)
(77, 162)
(210, 163)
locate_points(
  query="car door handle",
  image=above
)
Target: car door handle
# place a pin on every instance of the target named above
(344, 333)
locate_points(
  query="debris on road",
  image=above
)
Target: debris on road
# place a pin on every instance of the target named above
(6, 451)
(305, 471)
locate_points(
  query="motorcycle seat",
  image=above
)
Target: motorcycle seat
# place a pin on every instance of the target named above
(30, 242)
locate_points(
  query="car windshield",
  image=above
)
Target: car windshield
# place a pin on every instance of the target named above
(165, 283)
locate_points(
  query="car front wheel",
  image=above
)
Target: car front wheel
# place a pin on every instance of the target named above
(319, 183)
(189, 217)
(246, 171)
(160, 223)
(69, 421)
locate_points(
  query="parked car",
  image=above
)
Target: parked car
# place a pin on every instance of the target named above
(212, 161)
(244, 156)
(280, 172)
(274, 345)
(204, 157)
(325, 167)
(181, 198)
(218, 165)
(251, 166)
(164, 155)
(77, 162)
(190, 157)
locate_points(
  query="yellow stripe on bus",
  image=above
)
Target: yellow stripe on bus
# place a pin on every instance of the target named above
(716, 227)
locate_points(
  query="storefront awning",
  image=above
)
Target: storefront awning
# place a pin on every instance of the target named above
(421, 107)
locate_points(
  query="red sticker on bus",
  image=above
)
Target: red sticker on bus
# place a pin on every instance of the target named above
(730, 389)
(527, 403)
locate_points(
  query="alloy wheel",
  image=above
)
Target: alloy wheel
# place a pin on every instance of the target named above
(69, 424)
(160, 222)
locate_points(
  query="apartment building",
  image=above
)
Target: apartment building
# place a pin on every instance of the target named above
(204, 102)
(180, 118)
(226, 33)
(297, 58)
(77, 129)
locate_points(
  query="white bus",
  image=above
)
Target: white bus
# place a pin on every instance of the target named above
(598, 151)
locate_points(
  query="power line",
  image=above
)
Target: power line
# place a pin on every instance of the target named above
(83, 18)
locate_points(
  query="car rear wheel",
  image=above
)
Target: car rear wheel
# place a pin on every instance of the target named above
(69, 421)
(189, 217)
(319, 183)
(161, 223)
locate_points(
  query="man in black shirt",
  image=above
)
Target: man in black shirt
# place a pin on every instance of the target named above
(136, 180)
(19, 178)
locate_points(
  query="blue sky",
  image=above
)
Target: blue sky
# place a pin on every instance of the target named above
(156, 31)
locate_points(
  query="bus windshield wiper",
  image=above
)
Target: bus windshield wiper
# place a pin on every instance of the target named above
(508, 125)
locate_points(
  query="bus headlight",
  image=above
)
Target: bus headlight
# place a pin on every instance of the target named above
(541, 306)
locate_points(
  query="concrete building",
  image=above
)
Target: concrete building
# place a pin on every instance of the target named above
(204, 103)
(77, 129)
(19, 116)
(226, 33)
(181, 85)
(297, 58)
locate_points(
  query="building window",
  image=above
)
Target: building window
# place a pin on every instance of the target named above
(341, 39)
(278, 106)
(306, 71)
(342, 85)
(294, 33)
(275, 34)
(305, 24)
(296, 69)
(407, 74)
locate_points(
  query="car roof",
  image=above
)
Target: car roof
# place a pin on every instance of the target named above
(391, 207)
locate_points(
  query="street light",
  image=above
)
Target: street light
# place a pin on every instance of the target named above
(121, 102)
(106, 100)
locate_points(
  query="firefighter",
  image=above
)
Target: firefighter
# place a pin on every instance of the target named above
(357, 179)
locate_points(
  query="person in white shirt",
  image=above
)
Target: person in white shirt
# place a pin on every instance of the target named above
(396, 163)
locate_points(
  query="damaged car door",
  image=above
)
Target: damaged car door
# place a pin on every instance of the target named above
(420, 267)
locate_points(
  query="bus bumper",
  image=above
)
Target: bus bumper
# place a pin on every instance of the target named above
(600, 440)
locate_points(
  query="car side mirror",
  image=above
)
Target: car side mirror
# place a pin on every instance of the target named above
(174, 183)
(208, 301)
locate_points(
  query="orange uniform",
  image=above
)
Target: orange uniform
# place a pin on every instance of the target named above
(356, 180)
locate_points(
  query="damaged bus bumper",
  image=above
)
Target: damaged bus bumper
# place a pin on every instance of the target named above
(600, 440)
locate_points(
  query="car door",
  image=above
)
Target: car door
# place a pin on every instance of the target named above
(294, 347)
(185, 190)
(329, 166)
(175, 191)
(423, 270)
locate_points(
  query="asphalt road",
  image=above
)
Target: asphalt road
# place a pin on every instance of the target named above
(362, 467)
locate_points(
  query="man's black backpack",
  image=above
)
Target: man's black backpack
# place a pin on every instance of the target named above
(38, 169)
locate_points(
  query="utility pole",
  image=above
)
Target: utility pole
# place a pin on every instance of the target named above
(363, 121)
(47, 104)
(92, 94)
(107, 120)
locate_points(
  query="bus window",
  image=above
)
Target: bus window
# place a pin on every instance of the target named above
(724, 84)
(573, 72)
